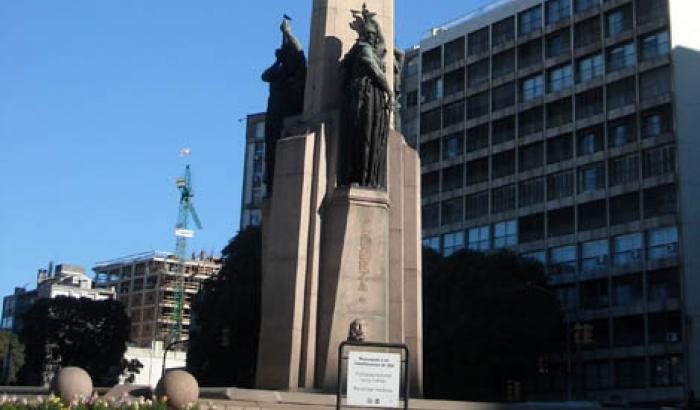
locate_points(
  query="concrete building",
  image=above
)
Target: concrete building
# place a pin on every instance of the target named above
(152, 360)
(146, 285)
(565, 130)
(253, 169)
(66, 281)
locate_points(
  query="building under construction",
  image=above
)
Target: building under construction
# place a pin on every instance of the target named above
(146, 284)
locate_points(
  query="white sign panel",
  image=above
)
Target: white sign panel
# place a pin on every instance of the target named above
(185, 233)
(374, 379)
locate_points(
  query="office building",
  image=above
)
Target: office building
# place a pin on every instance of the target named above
(565, 131)
(146, 285)
(253, 183)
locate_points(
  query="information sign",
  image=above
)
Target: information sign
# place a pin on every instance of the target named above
(374, 379)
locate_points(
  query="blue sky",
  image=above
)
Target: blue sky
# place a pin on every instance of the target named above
(98, 97)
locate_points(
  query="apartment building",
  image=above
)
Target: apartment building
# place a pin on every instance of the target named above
(146, 284)
(565, 131)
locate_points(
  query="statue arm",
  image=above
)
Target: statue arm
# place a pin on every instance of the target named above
(370, 61)
(289, 37)
(273, 73)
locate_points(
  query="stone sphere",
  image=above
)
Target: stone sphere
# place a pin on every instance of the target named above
(179, 387)
(72, 383)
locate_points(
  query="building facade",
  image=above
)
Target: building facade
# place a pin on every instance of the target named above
(564, 130)
(253, 190)
(65, 281)
(146, 285)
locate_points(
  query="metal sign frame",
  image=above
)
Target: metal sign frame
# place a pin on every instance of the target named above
(404, 364)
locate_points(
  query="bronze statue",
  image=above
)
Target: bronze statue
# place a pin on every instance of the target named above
(287, 78)
(365, 106)
(357, 331)
(399, 59)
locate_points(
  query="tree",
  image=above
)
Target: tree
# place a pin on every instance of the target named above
(12, 355)
(75, 332)
(488, 321)
(226, 317)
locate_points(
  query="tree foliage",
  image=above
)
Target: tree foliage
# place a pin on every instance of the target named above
(488, 319)
(224, 340)
(12, 356)
(75, 332)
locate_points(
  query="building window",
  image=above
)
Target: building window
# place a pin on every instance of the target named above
(627, 249)
(431, 90)
(659, 161)
(503, 63)
(589, 103)
(478, 138)
(412, 99)
(531, 228)
(453, 145)
(589, 68)
(622, 131)
(529, 54)
(430, 152)
(624, 169)
(452, 211)
(478, 105)
(656, 121)
(560, 78)
(621, 57)
(453, 113)
(260, 130)
(540, 257)
(587, 33)
(531, 192)
(597, 375)
(432, 59)
(559, 113)
(503, 31)
(504, 96)
(430, 183)
(479, 239)
(560, 148)
(557, 10)
(624, 208)
(654, 45)
(531, 156)
(532, 88)
(649, 10)
(562, 260)
(592, 215)
(583, 5)
(530, 20)
(622, 93)
(478, 73)
(660, 201)
(667, 371)
(627, 290)
(663, 285)
(504, 164)
(560, 185)
(430, 121)
(452, 242)
(654, 83)
(629, 373)
(591, 177)
(618, 20)
(478, 42)
(662, 243)
(505, 234)
(477, 205)
(454, 82)
(477, 171)
(558, 44)
(594, 256)
(530, 122)
(503, 130)
(452, 178)
(432, 242)
(560, 222)
(503, 199)
(589, 141)
(454, 51)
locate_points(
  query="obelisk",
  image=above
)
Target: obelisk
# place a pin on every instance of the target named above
(335, 256)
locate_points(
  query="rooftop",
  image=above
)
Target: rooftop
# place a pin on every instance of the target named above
(467, 17)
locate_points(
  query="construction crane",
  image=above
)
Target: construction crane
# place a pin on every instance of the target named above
(182, 233)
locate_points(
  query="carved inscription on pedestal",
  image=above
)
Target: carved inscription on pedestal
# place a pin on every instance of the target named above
(364, 260)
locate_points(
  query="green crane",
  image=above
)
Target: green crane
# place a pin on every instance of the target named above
(182, 233)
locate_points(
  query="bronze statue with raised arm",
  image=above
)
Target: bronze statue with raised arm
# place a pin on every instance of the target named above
(287, 78)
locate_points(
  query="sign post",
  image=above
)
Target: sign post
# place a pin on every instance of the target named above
(373, 378)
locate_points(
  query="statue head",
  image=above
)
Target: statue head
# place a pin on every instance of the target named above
(366, 26)
(357, 331)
